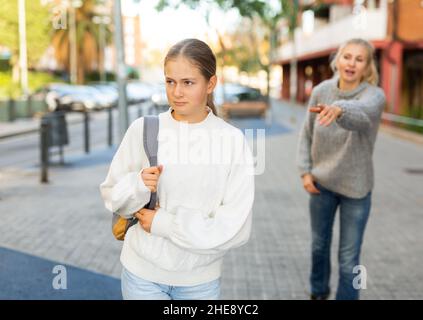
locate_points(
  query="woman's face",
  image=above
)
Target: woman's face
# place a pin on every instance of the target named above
(352, 64)
(186, 87)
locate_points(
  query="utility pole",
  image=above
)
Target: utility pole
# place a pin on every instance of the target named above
(120, 70)
(294, 63)
(22, 48)
(73, 5)
(101, 45)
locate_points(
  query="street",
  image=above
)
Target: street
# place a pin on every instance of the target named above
(66, 223)
(23, 150)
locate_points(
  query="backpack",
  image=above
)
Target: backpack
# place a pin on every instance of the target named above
(121, 225)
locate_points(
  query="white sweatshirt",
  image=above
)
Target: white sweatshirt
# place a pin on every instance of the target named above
(205, 192)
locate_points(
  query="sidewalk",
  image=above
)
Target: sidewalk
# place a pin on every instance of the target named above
(66, 223)
(30, 125)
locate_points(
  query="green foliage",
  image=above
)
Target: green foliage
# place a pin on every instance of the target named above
(269, 16)
(246, 8)
(95, 76)
(37, 28)
(254, 53)
(35, 79)
(7, 87)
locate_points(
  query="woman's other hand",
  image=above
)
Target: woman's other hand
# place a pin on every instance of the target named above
(308, 183)
(145, 218)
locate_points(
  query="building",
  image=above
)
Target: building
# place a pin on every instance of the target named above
(132, 40)
(394, 27)
(132, 45)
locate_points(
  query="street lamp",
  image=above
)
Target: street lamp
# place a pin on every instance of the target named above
(120, 69)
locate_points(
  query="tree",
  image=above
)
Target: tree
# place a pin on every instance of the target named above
(266, 14)
(245, 50)
(37, 31)
(87, 39)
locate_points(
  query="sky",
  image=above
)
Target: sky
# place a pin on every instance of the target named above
(159, 30)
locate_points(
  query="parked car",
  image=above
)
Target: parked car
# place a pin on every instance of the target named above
(84, 98)
(108, 90)
(51, 94)
(159, 99)
(138, 92)
(61, 96)
(237, 100)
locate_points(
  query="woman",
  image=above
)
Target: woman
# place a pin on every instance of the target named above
(204, 183)
(335, 161)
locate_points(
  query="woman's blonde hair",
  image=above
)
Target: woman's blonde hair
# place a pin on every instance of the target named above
(371, 75)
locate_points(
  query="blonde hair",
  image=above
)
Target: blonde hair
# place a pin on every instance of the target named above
(371, 74)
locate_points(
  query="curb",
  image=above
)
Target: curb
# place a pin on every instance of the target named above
(32, 130)
(402, 134)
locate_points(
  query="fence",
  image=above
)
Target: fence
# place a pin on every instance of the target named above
(21, 108)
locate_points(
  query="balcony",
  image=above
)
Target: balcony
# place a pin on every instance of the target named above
(371, 24)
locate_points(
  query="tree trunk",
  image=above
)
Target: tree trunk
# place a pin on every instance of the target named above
(15, 72)
(80, 78)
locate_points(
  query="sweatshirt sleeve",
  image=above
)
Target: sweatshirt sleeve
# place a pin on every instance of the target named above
(362, 114)
(304, 162)
(228, 226)
(123, 190)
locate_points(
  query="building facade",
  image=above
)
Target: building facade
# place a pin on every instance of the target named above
(132, 40)
(394, 27)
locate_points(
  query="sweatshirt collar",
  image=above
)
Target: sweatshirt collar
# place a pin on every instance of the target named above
(196, 124)
(348, 93)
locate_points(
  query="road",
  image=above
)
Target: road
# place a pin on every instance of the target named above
(23, 150)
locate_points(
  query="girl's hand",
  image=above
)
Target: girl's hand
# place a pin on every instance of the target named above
(308, 183)
(151, 176)
(327, 113)
(145, 218)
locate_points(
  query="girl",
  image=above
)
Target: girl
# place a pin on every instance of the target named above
(335, 160)
(204, 183)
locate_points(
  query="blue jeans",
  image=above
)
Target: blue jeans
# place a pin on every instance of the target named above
(354, 214)
(136, 288)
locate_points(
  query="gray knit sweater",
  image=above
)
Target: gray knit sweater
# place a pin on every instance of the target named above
(340, 156)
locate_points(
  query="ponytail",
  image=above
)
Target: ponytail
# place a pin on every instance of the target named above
(210, 104)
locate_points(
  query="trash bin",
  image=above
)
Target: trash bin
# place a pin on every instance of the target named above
(57, 128)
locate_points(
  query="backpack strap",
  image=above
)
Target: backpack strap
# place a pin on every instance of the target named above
(151, 146)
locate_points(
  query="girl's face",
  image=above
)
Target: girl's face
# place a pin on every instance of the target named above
(186, 87)
(352, 64)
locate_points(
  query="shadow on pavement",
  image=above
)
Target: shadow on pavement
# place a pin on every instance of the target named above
(26, 277)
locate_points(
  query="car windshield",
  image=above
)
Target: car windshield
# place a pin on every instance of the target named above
(249, 95)
(244, 95)
(236, 93)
